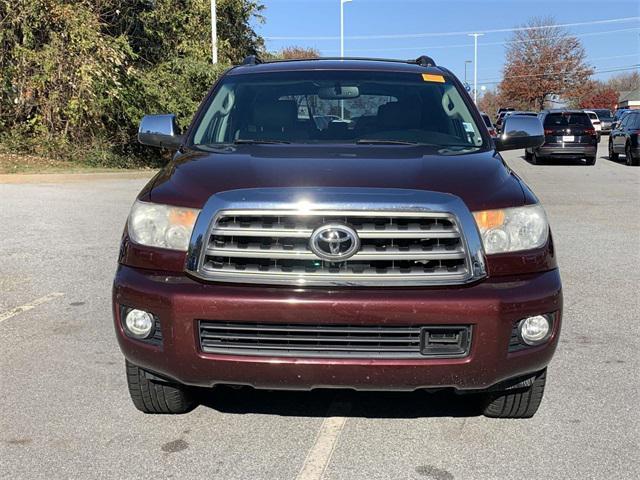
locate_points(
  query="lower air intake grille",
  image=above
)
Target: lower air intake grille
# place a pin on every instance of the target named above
(339, 341)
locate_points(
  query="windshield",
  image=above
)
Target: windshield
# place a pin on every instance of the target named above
(603, 113)
(338, 107)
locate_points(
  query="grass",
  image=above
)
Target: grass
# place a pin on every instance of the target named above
(25, 164)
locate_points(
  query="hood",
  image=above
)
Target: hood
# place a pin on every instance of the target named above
(481, 179)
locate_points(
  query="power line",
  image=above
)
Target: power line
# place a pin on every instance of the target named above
(449, 34)
(588, 60)
(621, 68)
(484, 44)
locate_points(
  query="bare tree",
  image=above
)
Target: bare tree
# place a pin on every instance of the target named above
(542, 60)
(624, 82)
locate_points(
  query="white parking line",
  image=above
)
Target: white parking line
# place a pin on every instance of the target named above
(320, 453)
(25, 308)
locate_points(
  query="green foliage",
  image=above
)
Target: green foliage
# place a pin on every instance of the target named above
(76, 76)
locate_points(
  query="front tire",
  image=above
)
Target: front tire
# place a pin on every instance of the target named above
(153, 396)
(527, 155)
(519, 402)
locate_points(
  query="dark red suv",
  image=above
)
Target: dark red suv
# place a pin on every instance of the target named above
(338, 224)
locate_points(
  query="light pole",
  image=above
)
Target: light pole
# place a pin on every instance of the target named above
(214, 33)
(475, 64)
(466, 62)
(342, 2)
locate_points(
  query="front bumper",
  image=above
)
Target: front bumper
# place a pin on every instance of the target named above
(491, 307)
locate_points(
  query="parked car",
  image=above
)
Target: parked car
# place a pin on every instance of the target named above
(624, 139)
(394, 255)
(487, 122)
(595, 121)
(502, 110)
(606, 118)
(617, 117)
(499, 121)
(568, 134)
(509, 113)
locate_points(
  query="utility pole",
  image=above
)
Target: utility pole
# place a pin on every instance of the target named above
(342, 2)
(475, 64)
(214, 33)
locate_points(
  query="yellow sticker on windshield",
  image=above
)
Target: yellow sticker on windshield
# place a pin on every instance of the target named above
(427, 77)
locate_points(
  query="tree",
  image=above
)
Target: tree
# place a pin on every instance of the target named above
(76, 76)
(292, 53)
(599, 95)
(542, 60)
(624, 82)
(490, 102)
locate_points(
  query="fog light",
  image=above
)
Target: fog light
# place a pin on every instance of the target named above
(534, 330)
(139, 323)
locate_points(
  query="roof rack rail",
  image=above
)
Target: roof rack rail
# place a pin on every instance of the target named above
(424, 61)
(251, 60)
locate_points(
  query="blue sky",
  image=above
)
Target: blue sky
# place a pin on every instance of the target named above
(608, 45)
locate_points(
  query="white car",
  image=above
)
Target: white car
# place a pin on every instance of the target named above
(595, 121)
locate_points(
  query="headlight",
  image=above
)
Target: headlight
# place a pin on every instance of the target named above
(161, 226)
(513, 229)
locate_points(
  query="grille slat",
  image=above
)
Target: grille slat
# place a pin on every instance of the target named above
(298, 347)
(397, 248)
(302, 338)
(264, 328)
(367, 253)
(388, 232)
(334, 340)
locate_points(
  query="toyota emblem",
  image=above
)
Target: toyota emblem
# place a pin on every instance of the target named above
(334, 242)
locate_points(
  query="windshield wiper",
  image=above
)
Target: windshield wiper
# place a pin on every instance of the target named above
(247, 141)
(375, 141)
(458, 145)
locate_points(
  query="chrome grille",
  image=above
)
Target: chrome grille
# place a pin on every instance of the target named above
(396, 247)
(354, 341)
(404, 238)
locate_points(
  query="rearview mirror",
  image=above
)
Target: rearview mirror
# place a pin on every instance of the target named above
(160, 131)
(338, 92)
(520, 132)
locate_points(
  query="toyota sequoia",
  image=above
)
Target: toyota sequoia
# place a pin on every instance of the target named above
(338, 223)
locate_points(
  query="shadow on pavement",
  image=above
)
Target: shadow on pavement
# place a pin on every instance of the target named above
(316, 403)
(557, 162)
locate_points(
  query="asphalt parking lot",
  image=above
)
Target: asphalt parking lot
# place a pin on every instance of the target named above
(66, 413)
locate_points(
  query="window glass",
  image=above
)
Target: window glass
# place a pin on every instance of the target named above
(338, 107)
(603, 113)
(565, 119)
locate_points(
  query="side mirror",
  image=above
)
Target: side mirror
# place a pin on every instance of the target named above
(520, 131)
(160, 131)
(614, 125)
